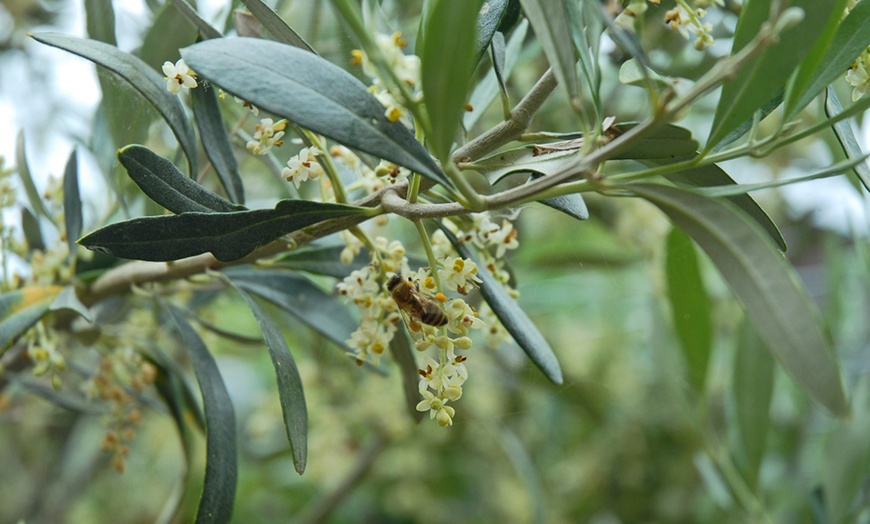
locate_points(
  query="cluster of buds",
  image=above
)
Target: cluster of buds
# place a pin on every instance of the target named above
(120, 371)
(687, 21)
(493, 240)
(405, 67)
(267, 134)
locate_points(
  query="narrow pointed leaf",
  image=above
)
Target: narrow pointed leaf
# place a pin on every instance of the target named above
(32, 230)
(72, 202)
(276, 26)
(216, 141)
(764, 282)
(311, 92)
(447, 65)
(753, 391)
(174, 391)
(713, 176)
(587, 28)
(487, 89)
(290, 390)
(205, 29)
(191, 410)
(488, 20)
(23, 168)
(498, 50)
(837, 48)
(572, 205)
(514, 319)
(221, 466)
(760, 81)
(165, 184)
(22, 308)
(690, 306)
(549, 21)
(846, 137)
(140, 76)
(298, 296)
(228, 236)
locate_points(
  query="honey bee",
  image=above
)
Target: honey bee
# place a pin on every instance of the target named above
(420, 307)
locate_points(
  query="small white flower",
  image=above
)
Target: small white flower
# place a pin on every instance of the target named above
(461, 318)
(179, 77)
(438, 408)
(266, 135)
(304, 166)
(504, 238)
(859, 78)
(459, 274)
(359, 287)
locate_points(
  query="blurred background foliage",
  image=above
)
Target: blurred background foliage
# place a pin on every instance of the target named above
(624, 439)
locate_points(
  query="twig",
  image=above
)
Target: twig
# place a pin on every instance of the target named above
(512, 128)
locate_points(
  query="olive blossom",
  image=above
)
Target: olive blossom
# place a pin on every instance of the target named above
(179, 77)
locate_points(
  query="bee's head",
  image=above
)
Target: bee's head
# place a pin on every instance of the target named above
(394, 281)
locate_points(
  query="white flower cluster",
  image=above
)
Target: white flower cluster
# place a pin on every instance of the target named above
(485, 234)
(493, 241)
(405, 67)
(377, 314)
(440, 383)
(380, 313)
(442, 379)
(687, 20)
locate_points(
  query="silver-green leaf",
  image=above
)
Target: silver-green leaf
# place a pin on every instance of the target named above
(764, 282)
